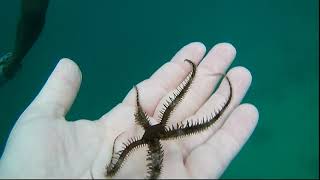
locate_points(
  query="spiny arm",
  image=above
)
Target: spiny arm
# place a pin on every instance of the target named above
(182, 90)
(116, 162)
(140, 116)
(155, 155)
(193, 128)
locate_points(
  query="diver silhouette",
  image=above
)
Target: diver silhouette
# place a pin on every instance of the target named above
(29, 27)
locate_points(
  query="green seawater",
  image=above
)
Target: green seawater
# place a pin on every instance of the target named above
(120, 43)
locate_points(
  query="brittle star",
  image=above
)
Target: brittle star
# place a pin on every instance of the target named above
(154, 133)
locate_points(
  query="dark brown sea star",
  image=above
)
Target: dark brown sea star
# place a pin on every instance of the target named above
(154, 133)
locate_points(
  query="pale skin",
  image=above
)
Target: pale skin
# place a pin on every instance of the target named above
(43, 144)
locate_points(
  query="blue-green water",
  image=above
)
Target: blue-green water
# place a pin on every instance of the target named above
(118, 44)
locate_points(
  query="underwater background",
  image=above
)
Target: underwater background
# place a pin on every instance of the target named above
(119, 43)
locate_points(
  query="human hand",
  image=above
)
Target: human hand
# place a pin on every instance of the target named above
(43, 144)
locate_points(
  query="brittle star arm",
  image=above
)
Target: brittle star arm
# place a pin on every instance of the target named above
(182, 90)
(155, 155)
(189, 128)
(141, 118)
(114, 167)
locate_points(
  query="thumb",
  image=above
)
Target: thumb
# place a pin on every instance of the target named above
(59, 92)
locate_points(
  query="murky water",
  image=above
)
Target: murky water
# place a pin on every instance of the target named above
(118, 44)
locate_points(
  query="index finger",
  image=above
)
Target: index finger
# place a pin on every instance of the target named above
(166, 78)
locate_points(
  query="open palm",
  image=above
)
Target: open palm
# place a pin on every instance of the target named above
(43, 144)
